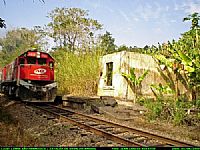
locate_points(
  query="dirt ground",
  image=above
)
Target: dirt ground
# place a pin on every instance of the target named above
(22, 125)
(132, 117)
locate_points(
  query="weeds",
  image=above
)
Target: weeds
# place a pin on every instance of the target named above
(198, 103)
(76, 74)
(154, 109)
(11, 131)
(167, 108)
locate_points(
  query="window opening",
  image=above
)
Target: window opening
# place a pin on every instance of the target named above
(21, 61)
(31, 60)
(42, 61)
(51, 64)
(109, 73)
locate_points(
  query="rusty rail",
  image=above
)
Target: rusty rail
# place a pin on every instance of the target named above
(66, 115)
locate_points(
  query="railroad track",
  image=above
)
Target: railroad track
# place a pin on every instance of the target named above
(118, 133)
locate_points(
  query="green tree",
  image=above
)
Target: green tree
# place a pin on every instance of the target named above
(42, 37)
(17, 38)
(71, 27)
(17, 41)
(146, 47)
(122, 48)
(2, 23)
(195, 26)
(107, 43)
(185, 53)
(195, 18)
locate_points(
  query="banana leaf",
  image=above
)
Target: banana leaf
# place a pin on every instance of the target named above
(141, 78)
(164, 60)
(184, 58)
(189, 69)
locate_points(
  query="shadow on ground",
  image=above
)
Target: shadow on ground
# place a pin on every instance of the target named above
(6, 117)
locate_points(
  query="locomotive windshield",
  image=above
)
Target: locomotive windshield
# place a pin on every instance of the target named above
(42, 61)
(31, 60)
(21, 61)
(39, 61)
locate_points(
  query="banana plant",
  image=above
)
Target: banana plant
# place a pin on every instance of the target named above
(185, 51)
(159, 90)
(186, 61)
(163, 60)
(133, 81)
(188, 58)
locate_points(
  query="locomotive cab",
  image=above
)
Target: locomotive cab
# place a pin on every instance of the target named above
(36, 66)
(30, 77)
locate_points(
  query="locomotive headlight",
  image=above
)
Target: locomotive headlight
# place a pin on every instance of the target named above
(32, 88)
(38, 55)
(44, 89)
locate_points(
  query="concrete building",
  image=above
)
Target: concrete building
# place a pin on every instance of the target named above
(112, 83)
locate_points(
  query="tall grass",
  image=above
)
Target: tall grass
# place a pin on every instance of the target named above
(76, 74)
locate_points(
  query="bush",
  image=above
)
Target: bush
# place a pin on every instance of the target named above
(179, 116)
(171, 110)
(141, 101)
(154, 109)
(76, 74)
(198, 103)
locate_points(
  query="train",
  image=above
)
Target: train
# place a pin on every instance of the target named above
(30, 77)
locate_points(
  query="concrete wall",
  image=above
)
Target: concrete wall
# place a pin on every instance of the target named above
(122, 62)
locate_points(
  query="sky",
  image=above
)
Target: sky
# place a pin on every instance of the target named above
(131, 22)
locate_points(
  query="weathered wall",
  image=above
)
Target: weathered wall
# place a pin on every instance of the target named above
(122, 61)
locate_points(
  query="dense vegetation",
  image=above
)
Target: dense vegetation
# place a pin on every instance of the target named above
(77, 73)
(79, 48)
(182, 57)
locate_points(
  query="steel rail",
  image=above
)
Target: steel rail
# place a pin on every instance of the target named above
(137, 131)
(164, 140)
(95, 130)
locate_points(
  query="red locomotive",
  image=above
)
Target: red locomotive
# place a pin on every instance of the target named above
(30, 77)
